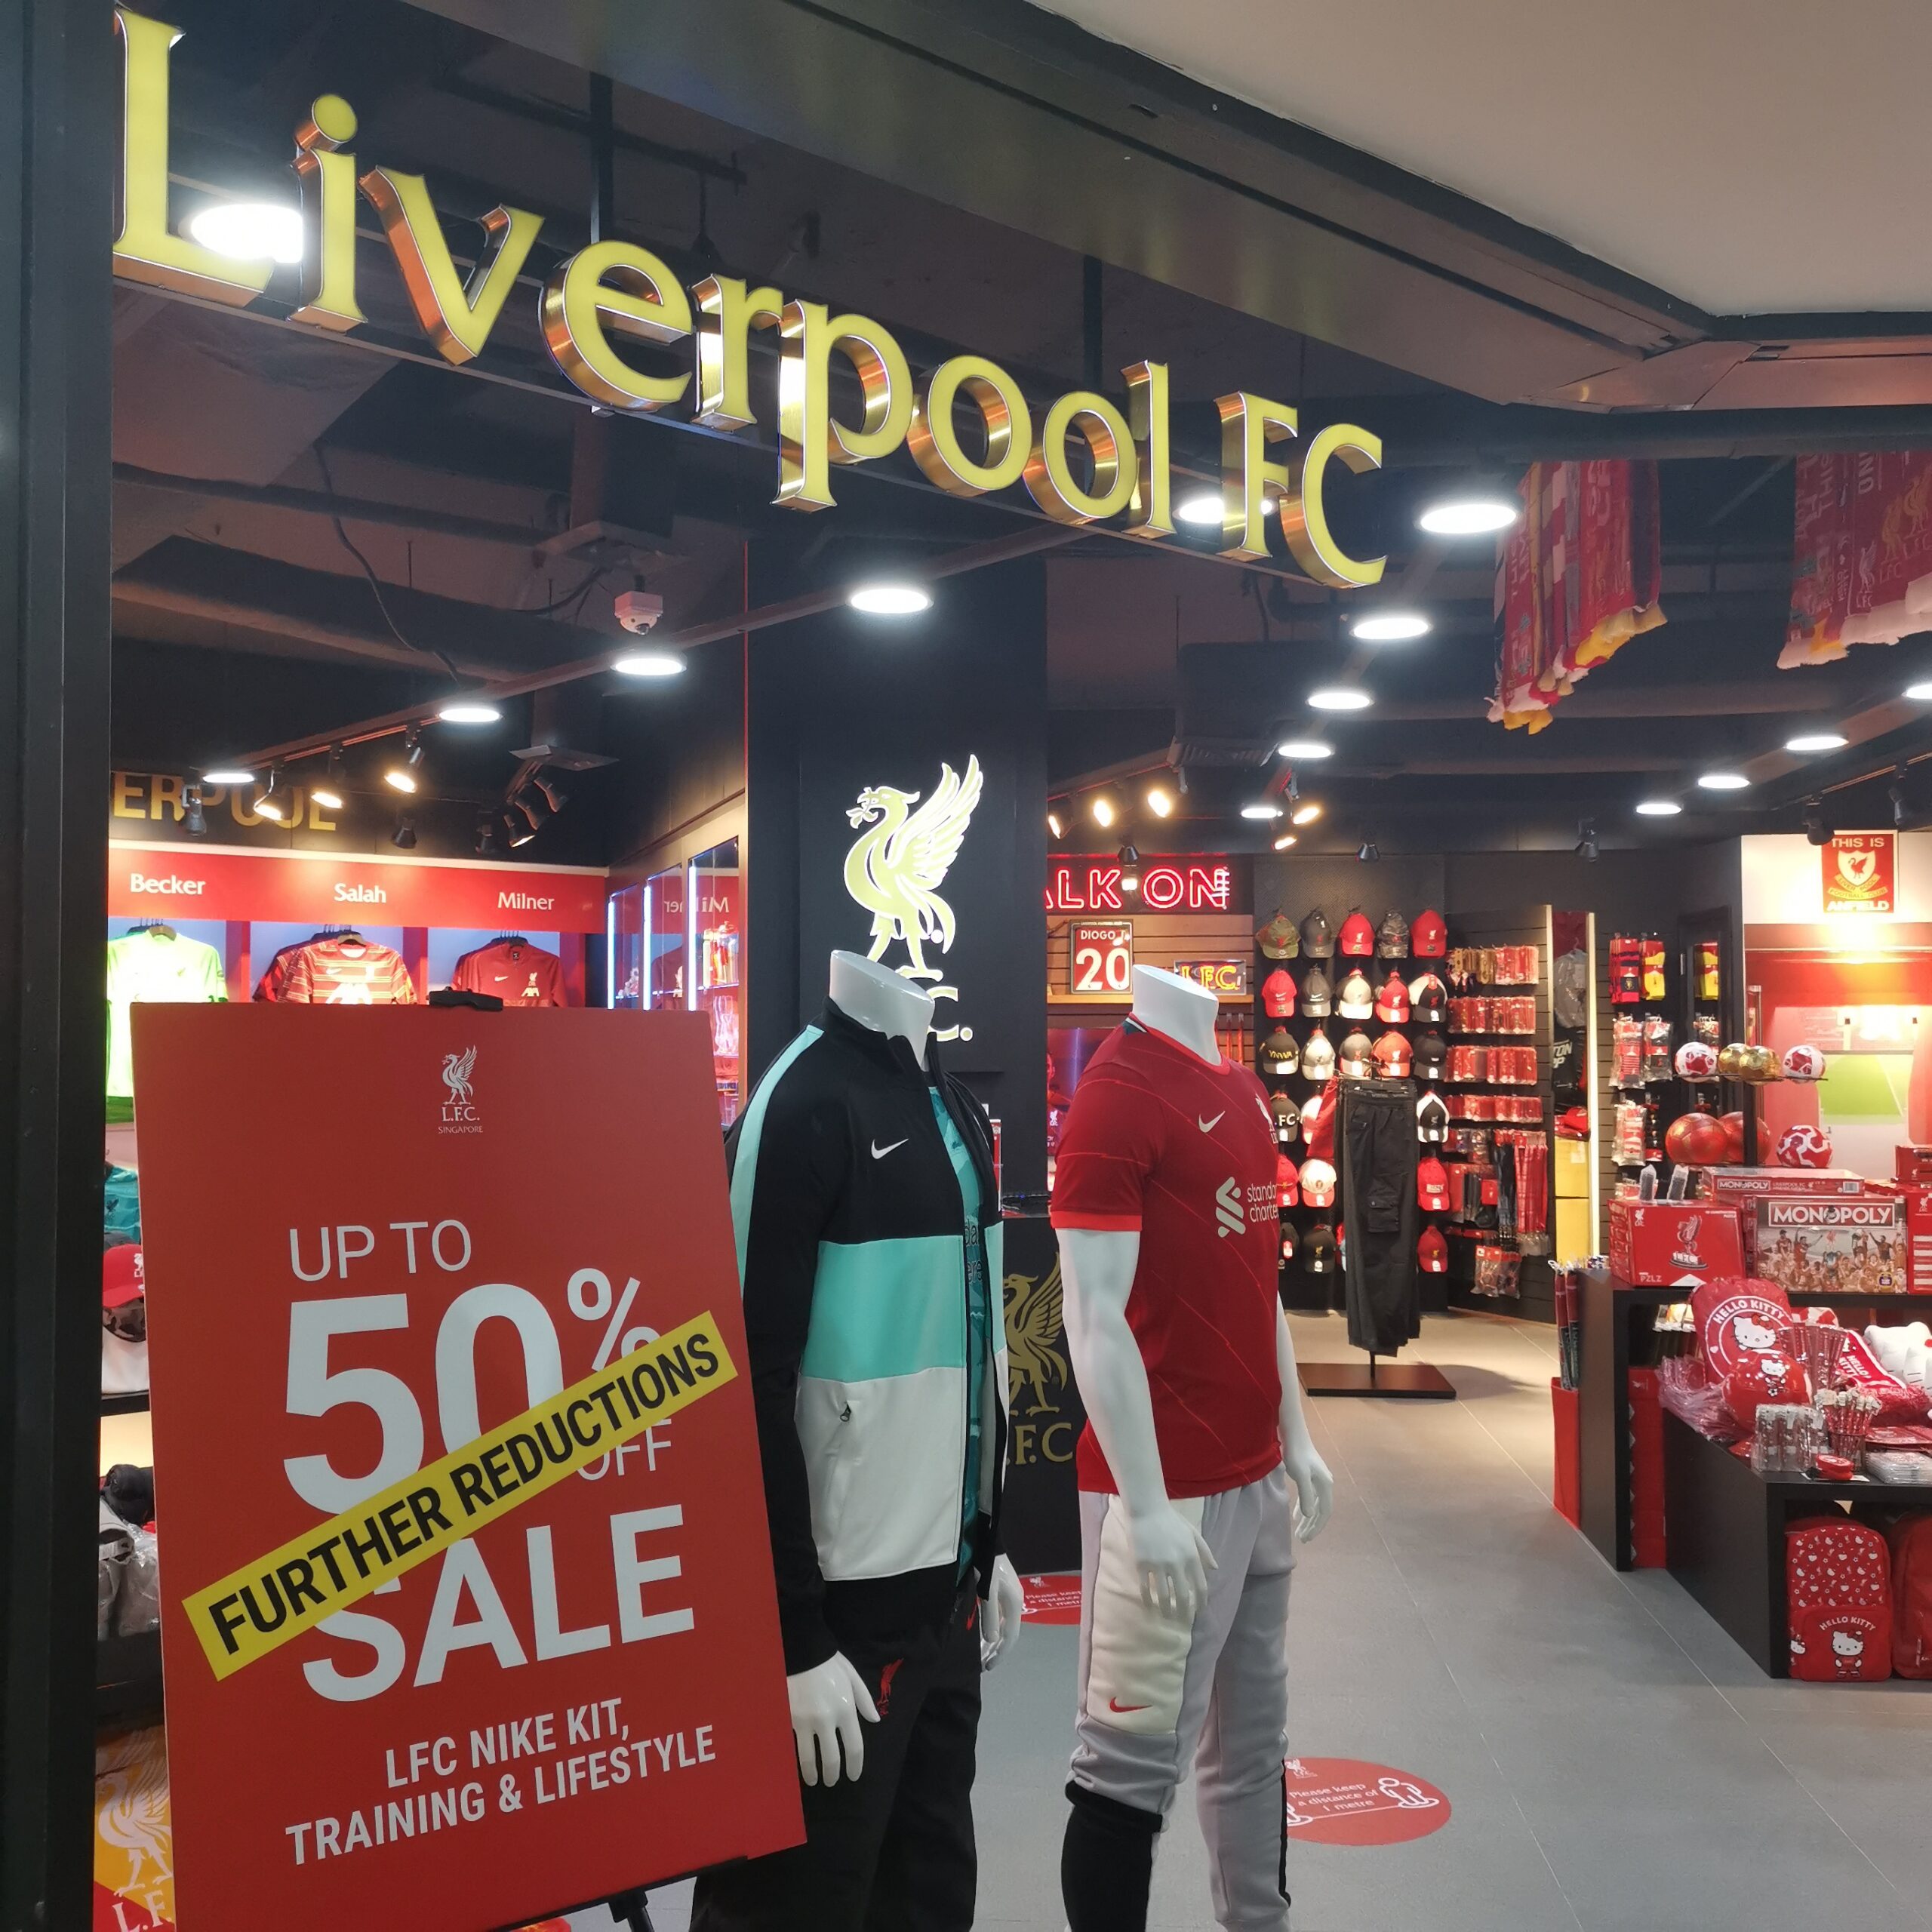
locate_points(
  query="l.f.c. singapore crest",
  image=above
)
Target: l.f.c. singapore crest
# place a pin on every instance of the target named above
(901, 858)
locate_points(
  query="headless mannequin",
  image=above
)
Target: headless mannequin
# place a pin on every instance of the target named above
(828, 1700)
(1097, 1268)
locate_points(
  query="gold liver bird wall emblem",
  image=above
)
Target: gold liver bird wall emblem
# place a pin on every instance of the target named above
(901, 858)
(1034, 1305)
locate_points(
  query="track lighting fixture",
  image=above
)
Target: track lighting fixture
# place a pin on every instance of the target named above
(278, 802)
(486, 847)
(1586, 847)
(1369, 853)
(403, 777)
(1103, 809)
(1284, 840)
(194, 820)
(227, 774)
(1817, 828)
(403, 837)
(1895, 797)
(1130, 869)
(1056, 824)
(518, 830)
(1160, 801)
(329, 793)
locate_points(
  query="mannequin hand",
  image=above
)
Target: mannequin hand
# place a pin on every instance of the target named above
(1000, 1614)
(1172, 1559)
(827, 1703)
(1314, 1489)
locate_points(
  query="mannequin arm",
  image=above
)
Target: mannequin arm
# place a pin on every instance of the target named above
(827, 1702)
(1314, 1487)
(1001, 1614)
(1170, 1554)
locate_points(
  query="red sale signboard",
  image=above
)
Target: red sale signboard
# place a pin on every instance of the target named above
(467, 1606)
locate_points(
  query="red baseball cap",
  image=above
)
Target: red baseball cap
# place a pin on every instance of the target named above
(1278, 995)
(1358, 936)
(123, 1276)
(1391, 1003)
(1287, 1182)
(1432, 1252)
(1429, 937)
(1432, 1185)
(1391, 1056)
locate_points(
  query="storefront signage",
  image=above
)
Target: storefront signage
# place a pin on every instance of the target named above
(467, 1498)
(1167, 885)
(1218, 976)
(615, 292)
(1860, 873)
(1100, 957)
(896, 867)
(204, 882)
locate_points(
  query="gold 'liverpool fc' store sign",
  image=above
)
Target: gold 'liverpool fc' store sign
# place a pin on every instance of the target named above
(614, 293)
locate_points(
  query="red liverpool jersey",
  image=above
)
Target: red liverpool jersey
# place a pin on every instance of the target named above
(1182, 1150)
(515, 971)
(346, 972)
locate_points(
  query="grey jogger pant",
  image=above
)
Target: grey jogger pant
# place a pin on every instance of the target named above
(1155, 1695)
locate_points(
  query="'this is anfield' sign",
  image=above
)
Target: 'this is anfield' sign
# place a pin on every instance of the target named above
(467, 1612)
(1861, 873)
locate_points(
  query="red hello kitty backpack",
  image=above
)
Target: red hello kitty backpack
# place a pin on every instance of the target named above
(1839, 1581)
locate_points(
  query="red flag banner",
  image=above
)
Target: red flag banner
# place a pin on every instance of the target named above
(1576, 578)
(1861, 568)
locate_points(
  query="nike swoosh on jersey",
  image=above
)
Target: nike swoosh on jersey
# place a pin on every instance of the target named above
(1208, 1126)
(879, 1153)
(1123, 1710)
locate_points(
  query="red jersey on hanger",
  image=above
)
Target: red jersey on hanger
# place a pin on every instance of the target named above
(346, 972)
(1182, 1150)
(515, 971)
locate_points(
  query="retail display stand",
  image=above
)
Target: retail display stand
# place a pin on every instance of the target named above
(1397, 1381)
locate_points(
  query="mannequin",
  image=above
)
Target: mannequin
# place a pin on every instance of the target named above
(828, 1700)
(866, 1215)
(1125, 1769)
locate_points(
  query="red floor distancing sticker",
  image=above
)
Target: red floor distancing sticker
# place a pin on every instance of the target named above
(1052, 1599)
(1342, 1801)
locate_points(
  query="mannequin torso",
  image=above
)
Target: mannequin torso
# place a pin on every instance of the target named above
(879, 997)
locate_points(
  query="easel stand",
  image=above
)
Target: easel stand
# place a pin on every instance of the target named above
(1395, 1381)
(633, 1909)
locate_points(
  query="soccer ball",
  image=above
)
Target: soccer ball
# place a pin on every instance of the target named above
(1805, 1062)
(1696, 1060)
(1804, 1147)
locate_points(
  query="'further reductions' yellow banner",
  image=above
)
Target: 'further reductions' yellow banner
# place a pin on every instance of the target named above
(253, 1610)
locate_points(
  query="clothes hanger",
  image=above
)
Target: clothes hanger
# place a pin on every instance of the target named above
(160, 928)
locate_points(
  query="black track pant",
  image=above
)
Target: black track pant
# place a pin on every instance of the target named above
(893, 1852)
(1378, 1144)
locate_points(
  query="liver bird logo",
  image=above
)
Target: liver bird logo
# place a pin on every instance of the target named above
(457, 1069)
(901, 858)
(1034, 1336)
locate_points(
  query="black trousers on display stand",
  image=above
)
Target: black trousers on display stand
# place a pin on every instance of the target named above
(1376, 1141)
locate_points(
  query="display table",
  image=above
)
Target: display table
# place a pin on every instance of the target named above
(1726, 1536)
(1615, 1335)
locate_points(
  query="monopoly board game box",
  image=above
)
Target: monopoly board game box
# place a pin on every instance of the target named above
(1733, 1187)
(1817, 1244)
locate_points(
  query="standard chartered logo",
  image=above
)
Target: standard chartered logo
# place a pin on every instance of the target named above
(1229, 1210)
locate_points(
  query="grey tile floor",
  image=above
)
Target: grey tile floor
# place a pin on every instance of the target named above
(1614, 1763)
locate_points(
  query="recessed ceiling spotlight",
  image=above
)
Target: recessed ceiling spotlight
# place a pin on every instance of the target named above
(1658, 807)
(1340, 697)
(1816, 741)
(1475, 514)
(1160, 801)
(659, 663)
(1287, 839)
(1724, 781)
(1306, 813)
(249, 231)
(469, 711)
(1388, 627)
(1303, 751)
(227, 774)
(1920, 692)
(1261, 808)
(890, 600)
(1199, 507)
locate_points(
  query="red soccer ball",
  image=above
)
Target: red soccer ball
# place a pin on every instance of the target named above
(1804, 1146)
(1734, 1138)
(1695, 1140)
